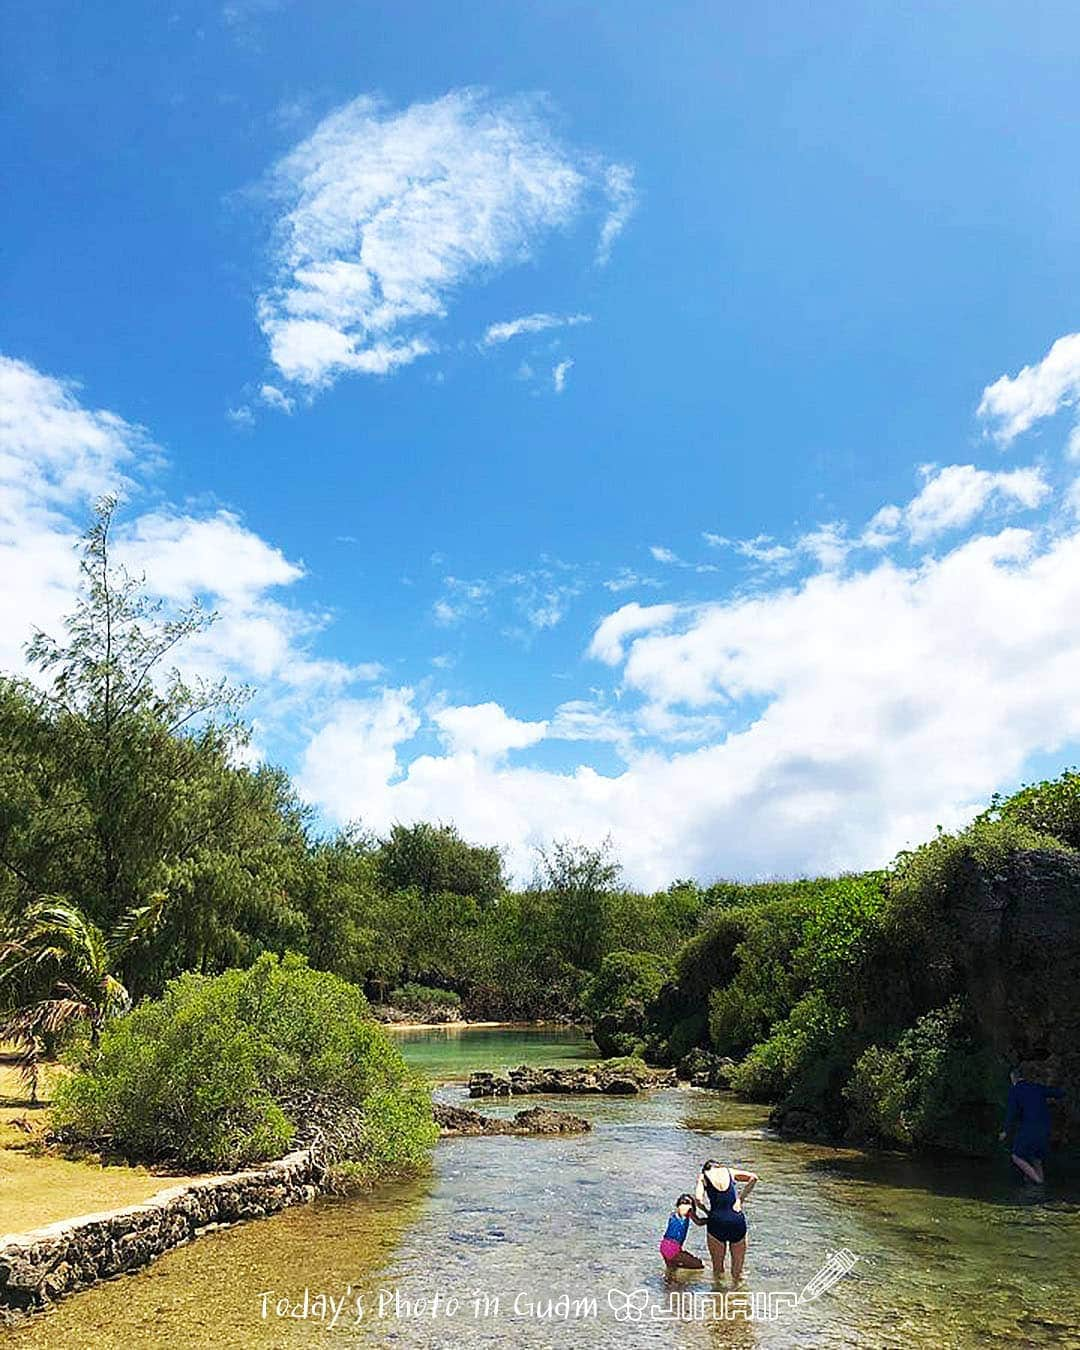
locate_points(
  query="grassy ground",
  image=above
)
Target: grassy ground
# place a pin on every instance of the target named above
(38, 1188)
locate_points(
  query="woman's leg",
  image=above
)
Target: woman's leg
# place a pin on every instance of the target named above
(717, 1251)
(738, 1256)
(688, 1261)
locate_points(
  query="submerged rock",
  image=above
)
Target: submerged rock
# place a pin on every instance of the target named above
(614, 1080)
(459, 1120)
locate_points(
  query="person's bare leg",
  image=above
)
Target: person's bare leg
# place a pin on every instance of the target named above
(738, 1256)
(688, 1261)
(1028, 1170)
(717, 1250)
(1037, 1168)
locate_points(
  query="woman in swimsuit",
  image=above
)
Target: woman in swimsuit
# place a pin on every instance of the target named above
(726, 1223)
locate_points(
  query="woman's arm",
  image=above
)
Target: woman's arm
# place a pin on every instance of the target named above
(699, 1194)
(751, 1180)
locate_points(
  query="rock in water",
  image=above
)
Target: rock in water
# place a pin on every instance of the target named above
(456, 1121)
(617, 1080)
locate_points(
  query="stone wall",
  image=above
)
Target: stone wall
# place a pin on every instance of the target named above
(45, 1264)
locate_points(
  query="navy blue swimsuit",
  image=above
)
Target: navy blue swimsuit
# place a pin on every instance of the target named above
(725, 1222)
(1027, 1110)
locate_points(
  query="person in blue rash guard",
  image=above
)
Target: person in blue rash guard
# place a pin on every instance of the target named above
(1028, 1113)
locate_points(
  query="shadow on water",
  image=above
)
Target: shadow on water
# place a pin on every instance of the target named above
(990, 1181)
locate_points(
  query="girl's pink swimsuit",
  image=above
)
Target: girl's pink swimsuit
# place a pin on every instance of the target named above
(674, 1237)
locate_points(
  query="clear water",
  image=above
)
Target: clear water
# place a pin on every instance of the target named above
(453, 1052)
(949, 1253)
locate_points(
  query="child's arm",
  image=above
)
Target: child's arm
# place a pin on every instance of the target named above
(694, 1215)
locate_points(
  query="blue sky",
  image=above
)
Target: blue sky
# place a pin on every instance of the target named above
(618, 568)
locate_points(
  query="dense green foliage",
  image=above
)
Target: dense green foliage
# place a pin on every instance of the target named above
(208, 1074)
(617, 999)
(419, 997)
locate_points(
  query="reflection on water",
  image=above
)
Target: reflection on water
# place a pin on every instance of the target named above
(949, 1253)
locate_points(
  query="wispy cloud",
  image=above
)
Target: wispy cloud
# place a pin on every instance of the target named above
(387, 214)
(272, 396)
(530, 323)
(619, 181)
(559, 374)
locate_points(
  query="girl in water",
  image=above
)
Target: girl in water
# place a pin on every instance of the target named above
(671, 1244)
(725, 1222)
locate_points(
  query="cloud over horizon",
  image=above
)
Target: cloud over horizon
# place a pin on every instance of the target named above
(860, 686)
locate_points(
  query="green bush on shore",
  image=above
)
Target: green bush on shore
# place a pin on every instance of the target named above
(213, 1074)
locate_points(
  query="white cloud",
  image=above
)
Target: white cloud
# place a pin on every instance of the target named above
(626, 579)
(530, 323)
(485, 729)
(56, 456)
(559, 374)
(360, 743)
(663, 555)
(764, 549)
(387, 214)
(952, 498)
(272, 396)
(611, 633)
(213, 555)
(843, 719)
(619, 182)
(1014, 403)
(828, 545)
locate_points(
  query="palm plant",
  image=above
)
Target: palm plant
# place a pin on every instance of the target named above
(58, 970)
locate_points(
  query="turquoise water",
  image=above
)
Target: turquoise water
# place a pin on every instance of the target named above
(948, 1253)
(453, 1052)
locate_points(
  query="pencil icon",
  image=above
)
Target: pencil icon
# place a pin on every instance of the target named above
(837, 1265)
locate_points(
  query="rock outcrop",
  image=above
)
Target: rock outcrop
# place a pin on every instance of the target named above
(455, 1121)
(701, 1068)
(614, 1080)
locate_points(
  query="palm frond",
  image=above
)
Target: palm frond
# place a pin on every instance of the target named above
(135, 924)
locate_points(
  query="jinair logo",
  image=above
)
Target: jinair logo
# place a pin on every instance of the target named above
(749, 1306)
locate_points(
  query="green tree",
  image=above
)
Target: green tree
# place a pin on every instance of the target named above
(119, 780)
(579, 883)
(434, 858)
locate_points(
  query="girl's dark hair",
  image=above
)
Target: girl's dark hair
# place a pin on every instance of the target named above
(684, 1199)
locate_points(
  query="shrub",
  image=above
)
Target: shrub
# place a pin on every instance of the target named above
(417, 997)
(1051, 808)
(937, 1085)
(617, 999)
(792, 1051)
(205, 1076)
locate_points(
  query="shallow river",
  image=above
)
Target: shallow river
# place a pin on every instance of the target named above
(946, 1253)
